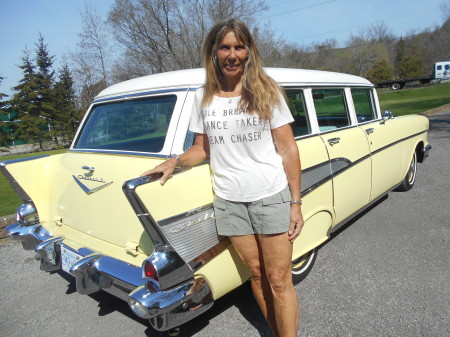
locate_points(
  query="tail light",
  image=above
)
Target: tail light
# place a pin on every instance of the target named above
(150, 271)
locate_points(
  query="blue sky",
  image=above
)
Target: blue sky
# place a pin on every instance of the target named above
(305, 22)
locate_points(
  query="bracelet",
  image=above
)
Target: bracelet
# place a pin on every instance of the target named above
(299, 202)
(177, 160)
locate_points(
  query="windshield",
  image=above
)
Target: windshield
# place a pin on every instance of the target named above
(136, 125)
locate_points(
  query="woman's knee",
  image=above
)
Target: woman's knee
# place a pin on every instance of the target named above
(257, 272)
(280, 281)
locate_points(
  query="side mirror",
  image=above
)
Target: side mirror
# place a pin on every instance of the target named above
(387, 115)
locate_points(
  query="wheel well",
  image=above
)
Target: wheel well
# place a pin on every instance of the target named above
(419, 152)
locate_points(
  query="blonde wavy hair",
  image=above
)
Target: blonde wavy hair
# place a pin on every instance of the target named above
(259, 93)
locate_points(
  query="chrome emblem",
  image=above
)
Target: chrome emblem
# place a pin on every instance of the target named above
(192, 222)
(88, 176)
(90, 169)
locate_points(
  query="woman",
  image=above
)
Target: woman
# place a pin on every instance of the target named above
(243, 125)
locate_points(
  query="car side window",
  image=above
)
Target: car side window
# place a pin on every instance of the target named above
(296, 103)
(331, 109)
(364, 105)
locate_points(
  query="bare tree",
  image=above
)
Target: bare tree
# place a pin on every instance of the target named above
(445, 8)
(270, 46)
(370, 45)
(167, 34)
(92, 62)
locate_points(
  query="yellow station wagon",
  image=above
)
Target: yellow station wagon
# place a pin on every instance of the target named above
(86, 213)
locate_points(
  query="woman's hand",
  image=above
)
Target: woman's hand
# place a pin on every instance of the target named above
(165, 168)
(196, 154)
(297, 222)
(288, 150)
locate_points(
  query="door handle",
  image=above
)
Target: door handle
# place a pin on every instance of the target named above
(370, 130)
(334, 141)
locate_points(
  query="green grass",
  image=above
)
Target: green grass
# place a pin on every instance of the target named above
(414, 100)
(9, 200)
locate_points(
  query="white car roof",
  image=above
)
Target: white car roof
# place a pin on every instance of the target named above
(194, 78)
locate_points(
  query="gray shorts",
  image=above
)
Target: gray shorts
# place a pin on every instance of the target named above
(270, 215)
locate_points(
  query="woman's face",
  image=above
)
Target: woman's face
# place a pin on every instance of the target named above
(231, 56)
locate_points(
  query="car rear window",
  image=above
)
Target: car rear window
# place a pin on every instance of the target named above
(137, 125)
(297, 106)
(364, 105)
(331, 109)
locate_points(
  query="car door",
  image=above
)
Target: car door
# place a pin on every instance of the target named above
(348, 152)
(386, 152)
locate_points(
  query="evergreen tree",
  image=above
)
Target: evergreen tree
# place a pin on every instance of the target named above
(411, 66)
(381, 71)
(34, 97)
(31, 126)
(67, 115)
(5, 136)
(45, 82)
(400, 53)
(2, 96)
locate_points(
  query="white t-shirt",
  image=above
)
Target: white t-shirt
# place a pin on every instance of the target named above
(244, 162)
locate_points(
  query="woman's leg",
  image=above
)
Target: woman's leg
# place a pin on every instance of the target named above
(277, 254)
(249, 249)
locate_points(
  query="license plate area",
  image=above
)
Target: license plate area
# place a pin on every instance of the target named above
(69, 258)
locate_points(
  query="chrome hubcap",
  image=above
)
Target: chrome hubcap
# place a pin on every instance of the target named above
(412, 170)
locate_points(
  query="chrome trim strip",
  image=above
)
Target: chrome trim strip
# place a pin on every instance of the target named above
(327, 132)
(361, 210)
(126, 153)
(367, 156)
(299, 138)
(326, 85)
(19, 160)
(317, 175)
(180, 216)
(14, 184)
(129, 188)
(398, 141)
(171, 268)
(145, 93)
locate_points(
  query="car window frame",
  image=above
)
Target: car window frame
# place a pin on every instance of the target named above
(171, 130)
(373, 100)
(306, 107)
(348, 108)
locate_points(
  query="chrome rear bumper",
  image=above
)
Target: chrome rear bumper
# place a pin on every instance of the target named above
(180, 304)
(164, 309)
(30, 236)
(426, 151)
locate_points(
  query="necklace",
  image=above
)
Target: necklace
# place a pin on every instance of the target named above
(237, 89)
(229, 98)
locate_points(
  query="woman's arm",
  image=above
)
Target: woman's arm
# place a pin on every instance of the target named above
(194, 155)
(287, 148)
